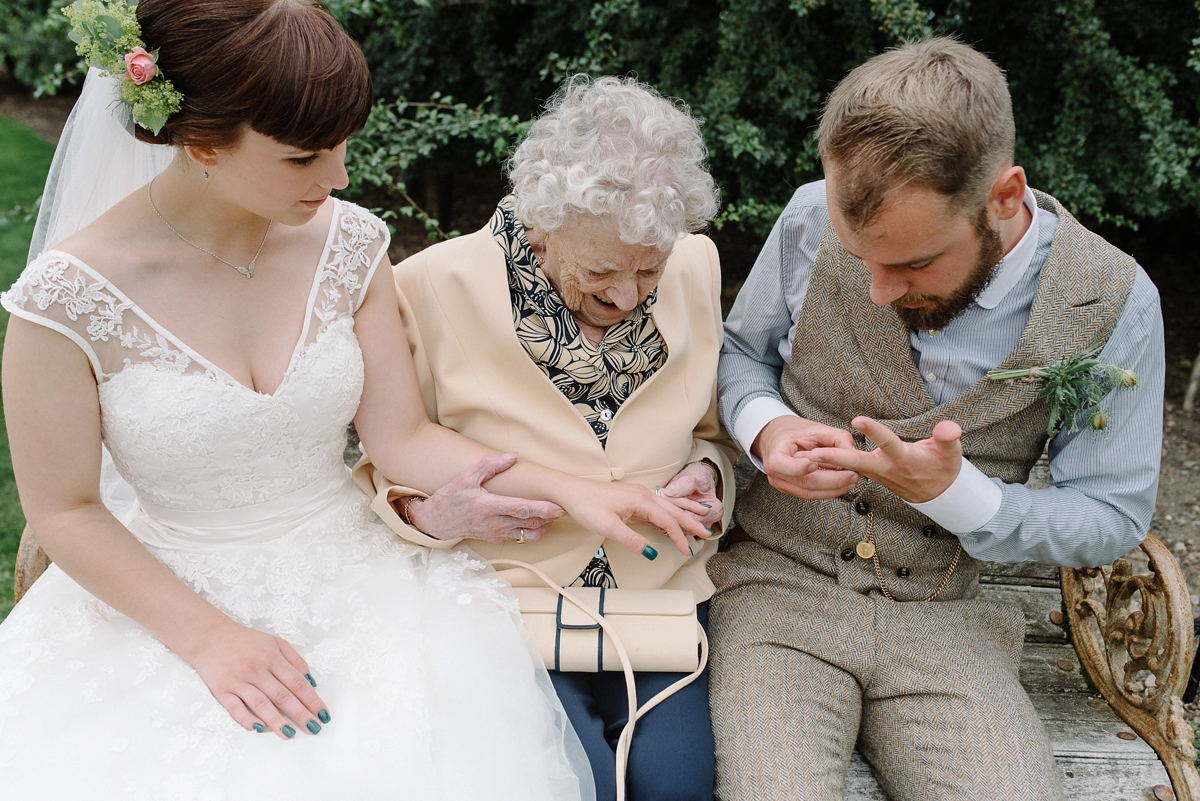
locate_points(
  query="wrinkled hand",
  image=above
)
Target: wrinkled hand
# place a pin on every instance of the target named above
(463, 508)
(694, 490)
(786, 445)
(607, 508)
(916, 471)
(260, 679)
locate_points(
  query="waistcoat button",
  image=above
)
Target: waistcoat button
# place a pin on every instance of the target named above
(902, 572)
(847, 554)
(929, 531)
(617, 473)
(862, 507)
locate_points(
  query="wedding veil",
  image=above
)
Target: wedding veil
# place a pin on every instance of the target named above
(98, 162)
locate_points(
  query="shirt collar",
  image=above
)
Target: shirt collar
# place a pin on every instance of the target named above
(1013, 266)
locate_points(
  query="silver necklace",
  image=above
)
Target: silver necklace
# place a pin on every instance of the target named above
(247, 271)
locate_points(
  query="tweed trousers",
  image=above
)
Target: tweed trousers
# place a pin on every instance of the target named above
(802, 670)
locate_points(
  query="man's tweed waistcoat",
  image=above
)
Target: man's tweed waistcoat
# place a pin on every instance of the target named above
(851, 357)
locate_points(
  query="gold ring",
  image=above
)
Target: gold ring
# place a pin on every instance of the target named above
(521, 538)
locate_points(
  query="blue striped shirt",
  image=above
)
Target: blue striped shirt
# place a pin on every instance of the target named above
(1103, 485)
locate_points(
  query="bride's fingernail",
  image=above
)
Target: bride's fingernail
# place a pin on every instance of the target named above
(288, 732)
(690, 551)
(258, 727)
(313, 726)
(650, 553)
(310, 679)
(323, 715)
(709, 530)
(706, 505)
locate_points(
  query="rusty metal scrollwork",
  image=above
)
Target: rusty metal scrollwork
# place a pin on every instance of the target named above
(1133, 634)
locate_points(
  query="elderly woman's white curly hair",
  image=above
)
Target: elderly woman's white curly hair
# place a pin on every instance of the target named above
(615, 147)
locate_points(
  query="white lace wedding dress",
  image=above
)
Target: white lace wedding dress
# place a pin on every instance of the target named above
(420, 655)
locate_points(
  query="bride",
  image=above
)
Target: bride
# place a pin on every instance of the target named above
(215, 329)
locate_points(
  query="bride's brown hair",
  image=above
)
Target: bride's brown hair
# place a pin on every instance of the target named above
(285, 68)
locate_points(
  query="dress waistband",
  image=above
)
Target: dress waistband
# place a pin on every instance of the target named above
(184, 530)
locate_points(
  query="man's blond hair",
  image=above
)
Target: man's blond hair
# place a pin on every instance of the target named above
(934, 113)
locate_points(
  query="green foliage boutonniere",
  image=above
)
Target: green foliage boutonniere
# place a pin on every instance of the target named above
(1074, 388)
(107, 36)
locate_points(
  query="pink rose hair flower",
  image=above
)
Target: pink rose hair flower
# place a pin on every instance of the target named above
(139, 66)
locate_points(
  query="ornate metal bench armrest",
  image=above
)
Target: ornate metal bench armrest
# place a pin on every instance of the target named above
(1133, 634)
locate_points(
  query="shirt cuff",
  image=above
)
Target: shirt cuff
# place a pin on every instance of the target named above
(754, 418)
(967, 504)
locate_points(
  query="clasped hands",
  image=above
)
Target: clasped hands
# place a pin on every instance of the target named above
(464, 508)
(814, 461)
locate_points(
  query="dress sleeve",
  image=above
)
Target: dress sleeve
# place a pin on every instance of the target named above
(57, 294)
(360, 244)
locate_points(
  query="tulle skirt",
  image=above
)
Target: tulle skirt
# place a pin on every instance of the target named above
(429, 677)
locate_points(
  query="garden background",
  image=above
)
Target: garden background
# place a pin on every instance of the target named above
(1106, 95)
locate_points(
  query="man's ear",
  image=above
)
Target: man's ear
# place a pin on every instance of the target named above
(1008, 193)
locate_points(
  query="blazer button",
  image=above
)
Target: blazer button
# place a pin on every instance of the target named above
(847, 554)
(617, 473)
(862, 507)
(929, 531)
(902, 572)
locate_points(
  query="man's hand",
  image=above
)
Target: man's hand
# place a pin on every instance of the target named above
(463, 508)
(694, 490)
(916, 471)
(785, 446)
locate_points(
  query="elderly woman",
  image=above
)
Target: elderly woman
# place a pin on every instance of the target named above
(580, 329)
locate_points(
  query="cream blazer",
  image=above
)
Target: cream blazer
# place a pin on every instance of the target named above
(477, 379)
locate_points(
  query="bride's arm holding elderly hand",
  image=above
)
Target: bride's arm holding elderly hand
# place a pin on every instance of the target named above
(409, 449)
(53, 415)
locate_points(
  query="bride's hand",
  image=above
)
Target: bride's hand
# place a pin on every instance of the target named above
(606, 509)
(261, 681)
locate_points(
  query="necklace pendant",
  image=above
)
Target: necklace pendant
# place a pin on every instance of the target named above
(865, 549)
(246, 271)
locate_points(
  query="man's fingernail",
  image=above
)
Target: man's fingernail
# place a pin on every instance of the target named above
(258, 727)
(313, 726)
(706, 505)
(310, 679)
(288, 732)
(324, 716)
(650, 553)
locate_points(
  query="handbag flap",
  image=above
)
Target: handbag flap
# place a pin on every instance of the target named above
(666, 603)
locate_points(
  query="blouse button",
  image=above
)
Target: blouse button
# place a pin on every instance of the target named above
(606, 415)
(617, 473)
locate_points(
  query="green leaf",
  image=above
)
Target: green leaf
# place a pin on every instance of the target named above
(75, 36)
(151, 120)
(113, 26)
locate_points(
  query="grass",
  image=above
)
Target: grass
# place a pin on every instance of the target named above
(24, 162)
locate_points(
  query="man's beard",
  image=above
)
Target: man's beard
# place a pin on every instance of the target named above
(941, 309)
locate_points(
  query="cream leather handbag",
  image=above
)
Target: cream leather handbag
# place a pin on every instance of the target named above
(588, 630)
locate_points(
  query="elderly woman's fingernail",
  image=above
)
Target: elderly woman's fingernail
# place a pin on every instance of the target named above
(288, 731)
(324, 716)
(310, 679)
(650, 553)
(259, 728)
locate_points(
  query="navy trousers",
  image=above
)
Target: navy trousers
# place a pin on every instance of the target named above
(672, 754)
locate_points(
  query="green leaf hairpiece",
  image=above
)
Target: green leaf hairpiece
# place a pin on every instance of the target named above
(1074, 388)
(107, 36)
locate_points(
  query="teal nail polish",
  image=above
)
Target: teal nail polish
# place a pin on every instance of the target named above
(690, 551)
(258, 727)
(323, 715)
(288, 732)
(650, 553)
(706, 505)
(310, 679)
(709, 530)
(313, 726)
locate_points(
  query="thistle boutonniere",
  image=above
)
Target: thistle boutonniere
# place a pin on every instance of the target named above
(107, 35)
(1074, 388)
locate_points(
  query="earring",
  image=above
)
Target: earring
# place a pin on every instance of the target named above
(206, 172)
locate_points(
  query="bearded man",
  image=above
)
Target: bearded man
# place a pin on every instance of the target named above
(854, 374)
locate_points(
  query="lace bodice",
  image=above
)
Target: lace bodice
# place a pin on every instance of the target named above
(181, 431)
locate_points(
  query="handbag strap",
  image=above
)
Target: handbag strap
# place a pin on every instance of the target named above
(625, 741)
